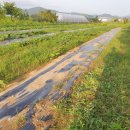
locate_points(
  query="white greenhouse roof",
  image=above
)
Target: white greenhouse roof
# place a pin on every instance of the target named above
(64, 17)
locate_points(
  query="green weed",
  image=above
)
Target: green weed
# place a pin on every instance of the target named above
(101, 98)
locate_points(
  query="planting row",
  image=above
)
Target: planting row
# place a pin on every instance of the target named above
(26, 36)
(18, 59)
(16, 34)
(25, 25)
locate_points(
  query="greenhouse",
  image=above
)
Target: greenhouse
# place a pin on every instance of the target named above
(71, 18)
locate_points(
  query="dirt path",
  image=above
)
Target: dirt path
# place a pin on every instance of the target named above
(43, 82)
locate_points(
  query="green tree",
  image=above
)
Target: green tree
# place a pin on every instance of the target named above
(48, 16)
(95, 20)
(24, 15)
(14, 11)
(36, 17)
(10, 8)
(125, 20)
(116, 20)
(2, 12)
(45, 16)
(17, 12)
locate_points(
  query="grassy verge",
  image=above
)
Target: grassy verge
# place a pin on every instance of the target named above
(100, 99)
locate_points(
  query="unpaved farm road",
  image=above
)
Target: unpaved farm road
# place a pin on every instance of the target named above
(43, 82)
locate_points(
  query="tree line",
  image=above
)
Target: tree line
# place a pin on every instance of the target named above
(47, 16)
(9, 9)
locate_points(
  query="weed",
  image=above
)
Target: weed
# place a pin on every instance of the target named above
(101, 97)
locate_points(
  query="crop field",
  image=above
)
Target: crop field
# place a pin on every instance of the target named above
(27, 46)
(64, 65)
(7, 25)
(23, 30)
(22, 57)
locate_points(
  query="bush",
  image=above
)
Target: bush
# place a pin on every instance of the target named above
(45, 16)
(116, 20)
(2, 84)
(125, 20)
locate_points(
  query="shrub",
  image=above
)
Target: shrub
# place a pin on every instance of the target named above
(125, 20)
(2, 84)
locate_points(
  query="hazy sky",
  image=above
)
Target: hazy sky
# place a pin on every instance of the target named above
(115, 7)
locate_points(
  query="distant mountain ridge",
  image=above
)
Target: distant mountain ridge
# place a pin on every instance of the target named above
(128, 16)
(37, 10)
(106, 15)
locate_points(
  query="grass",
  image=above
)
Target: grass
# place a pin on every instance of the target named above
(27, 33)
(18, 59)
(17, 35)
(8, 25)
(100, 99)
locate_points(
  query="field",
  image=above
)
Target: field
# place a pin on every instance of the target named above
(99, 98)
(19, 58)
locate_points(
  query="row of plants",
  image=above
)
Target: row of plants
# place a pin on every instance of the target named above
(41, 39)
(18, 59)
(35, 32)
(27, 33)
(8, 35)
(12, 35)
(99, 99)
(15, 34)
(6, 25)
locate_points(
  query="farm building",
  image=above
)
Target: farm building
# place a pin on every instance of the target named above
(105, 19)
(71, 18)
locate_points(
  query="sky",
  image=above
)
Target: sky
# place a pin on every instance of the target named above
(114, 7)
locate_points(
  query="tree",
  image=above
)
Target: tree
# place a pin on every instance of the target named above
(17, 12)
(47, 16)
(125, 20)
(24, 15)
(14, 11)
(36, 17)
(116, 20)
(10, 8)
(95, 20)
(2, 12)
